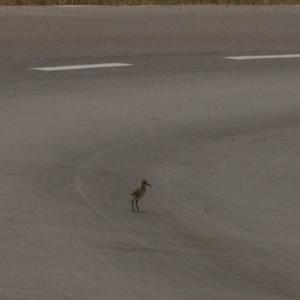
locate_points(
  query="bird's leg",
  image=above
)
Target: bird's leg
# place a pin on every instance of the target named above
(137, 205)
(132, 204)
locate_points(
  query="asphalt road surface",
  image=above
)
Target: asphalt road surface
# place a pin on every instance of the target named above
(218, 139)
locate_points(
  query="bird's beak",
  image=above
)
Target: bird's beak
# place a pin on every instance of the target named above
(149, 184)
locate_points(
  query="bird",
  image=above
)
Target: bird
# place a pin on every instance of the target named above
(139, 193)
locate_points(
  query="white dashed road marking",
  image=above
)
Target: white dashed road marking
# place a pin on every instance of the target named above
(252, 57)
(79, 67)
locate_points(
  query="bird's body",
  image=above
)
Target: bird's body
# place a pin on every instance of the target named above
(139, 193)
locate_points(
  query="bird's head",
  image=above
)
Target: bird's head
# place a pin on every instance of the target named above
(145, 182)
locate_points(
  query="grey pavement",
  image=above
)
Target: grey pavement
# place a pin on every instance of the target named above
(218, 140)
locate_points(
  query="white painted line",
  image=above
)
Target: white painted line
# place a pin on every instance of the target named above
(79, 67)
(252, 57)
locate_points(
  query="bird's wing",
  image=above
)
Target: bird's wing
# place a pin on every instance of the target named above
(135, 193)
